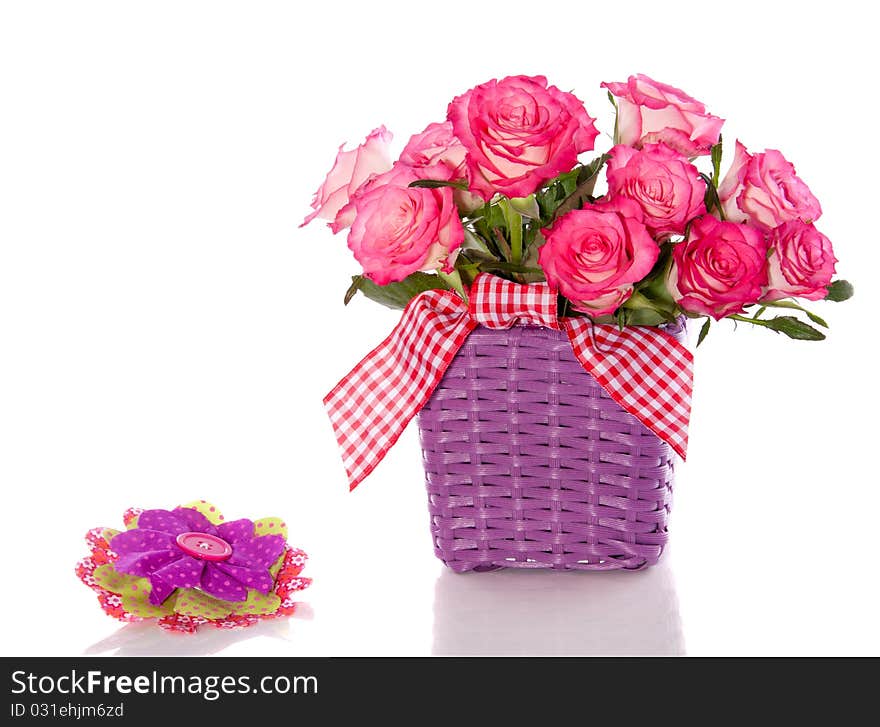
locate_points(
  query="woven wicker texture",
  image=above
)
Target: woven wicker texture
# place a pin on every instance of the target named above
(530, 464)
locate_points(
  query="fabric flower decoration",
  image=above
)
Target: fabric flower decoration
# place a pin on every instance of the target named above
(189, 567)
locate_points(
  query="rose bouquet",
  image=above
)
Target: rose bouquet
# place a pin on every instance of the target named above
(498, 187)
(545, 292)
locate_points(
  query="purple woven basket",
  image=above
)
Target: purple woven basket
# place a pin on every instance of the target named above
(530, 464)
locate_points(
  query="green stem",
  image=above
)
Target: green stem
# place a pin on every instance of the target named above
(511, 268)
(753, 321)
(514, 228)
(582, 191)
(791, 305)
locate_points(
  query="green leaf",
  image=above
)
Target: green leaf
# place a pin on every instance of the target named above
(840, 290)
(711, 199)
(453, 281)
(653, 291)
(789, 325)
(642, 317)
(795, 328)
(501, 243)
(587, 176)
(436, 183)
(398, 295)
(704, 331)
(567, 182)
(352, 289)
(616, 137)
(716, 162)
(794, 306)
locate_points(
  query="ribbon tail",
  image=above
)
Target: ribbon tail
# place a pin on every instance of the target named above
(372, 405)
(645, 370)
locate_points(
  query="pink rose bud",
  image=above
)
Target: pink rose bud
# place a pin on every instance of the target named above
(649, 111)
(719, 269)
(662, 182)
(594, 255)
(350, 170)
(764, 190)
(398, 230)
(801, 262)
(519, 132)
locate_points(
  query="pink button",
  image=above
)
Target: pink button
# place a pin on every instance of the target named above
(204, 546)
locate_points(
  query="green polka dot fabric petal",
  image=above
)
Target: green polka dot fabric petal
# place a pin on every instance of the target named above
(107, 577)
(140, 575)
(191, 602)
(258, 603)
(137, 603)
(270, 526)
(207, 509)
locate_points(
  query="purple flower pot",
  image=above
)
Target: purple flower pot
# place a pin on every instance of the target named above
(530, 464)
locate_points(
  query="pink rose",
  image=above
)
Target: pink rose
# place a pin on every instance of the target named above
(400, 174)
(764, 190)
(801, 262)
(661, 181)
(593, 256)
(519, 132)
(398, 229)
(436, 145)
(350, 170)
(649, 111)
(438, 154)
(720, 268)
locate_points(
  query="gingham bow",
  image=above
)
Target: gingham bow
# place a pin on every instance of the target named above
(645, 370)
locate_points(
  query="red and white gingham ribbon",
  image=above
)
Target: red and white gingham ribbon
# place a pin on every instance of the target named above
(645, 370)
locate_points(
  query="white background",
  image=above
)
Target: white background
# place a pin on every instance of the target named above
(167, 333)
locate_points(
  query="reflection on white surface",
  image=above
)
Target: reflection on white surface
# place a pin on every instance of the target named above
(144, 638)
(513, 612)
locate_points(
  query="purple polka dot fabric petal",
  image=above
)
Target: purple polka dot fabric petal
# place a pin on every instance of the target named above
(159, 590)
(186, 572)
(236, 530)
(143, 564)
(163, 521)
(141, 541)
(257, 578)
(195, 521)
(221, 585)
(262, 551)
